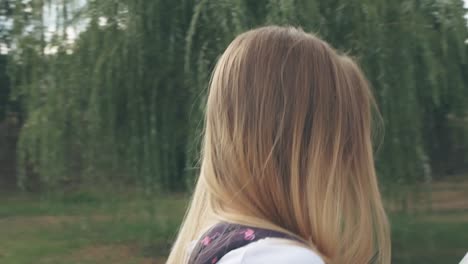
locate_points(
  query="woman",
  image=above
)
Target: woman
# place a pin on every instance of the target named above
(287, 159)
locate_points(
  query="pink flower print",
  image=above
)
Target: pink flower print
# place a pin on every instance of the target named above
(214, 260)
(206, 240)
(249, 234)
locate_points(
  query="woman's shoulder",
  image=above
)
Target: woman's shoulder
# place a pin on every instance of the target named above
(273, 251)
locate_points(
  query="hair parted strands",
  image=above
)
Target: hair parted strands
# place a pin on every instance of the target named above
(288, 146)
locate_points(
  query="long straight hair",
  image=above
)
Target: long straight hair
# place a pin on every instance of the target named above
(287, 146)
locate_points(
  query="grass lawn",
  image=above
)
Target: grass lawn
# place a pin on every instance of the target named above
(87, 227)
(101, 227)
(430, 238)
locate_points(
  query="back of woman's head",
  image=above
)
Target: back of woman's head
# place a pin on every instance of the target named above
(288, 146)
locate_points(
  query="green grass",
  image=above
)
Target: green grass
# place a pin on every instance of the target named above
(98, 226)
(425, 239)
(87, 227)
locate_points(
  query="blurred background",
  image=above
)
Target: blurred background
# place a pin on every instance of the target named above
(101, 106)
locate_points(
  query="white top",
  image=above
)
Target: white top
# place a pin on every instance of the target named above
(272, 251)
(465, 259)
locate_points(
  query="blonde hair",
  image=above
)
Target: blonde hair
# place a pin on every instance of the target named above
(288, 147)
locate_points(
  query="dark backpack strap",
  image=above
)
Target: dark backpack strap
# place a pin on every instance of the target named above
(225, 237)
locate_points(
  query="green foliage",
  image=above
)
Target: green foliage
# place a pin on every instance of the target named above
(125, 99)
(4, 86)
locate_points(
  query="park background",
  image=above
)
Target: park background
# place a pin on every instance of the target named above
(101, 106)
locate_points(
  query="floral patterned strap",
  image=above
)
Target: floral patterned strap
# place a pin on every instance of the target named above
(225, 237)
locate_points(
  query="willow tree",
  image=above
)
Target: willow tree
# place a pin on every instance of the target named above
(412, 51)
(111, 102)
(125, 99)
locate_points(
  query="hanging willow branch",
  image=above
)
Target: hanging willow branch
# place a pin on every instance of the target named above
(124, 100)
